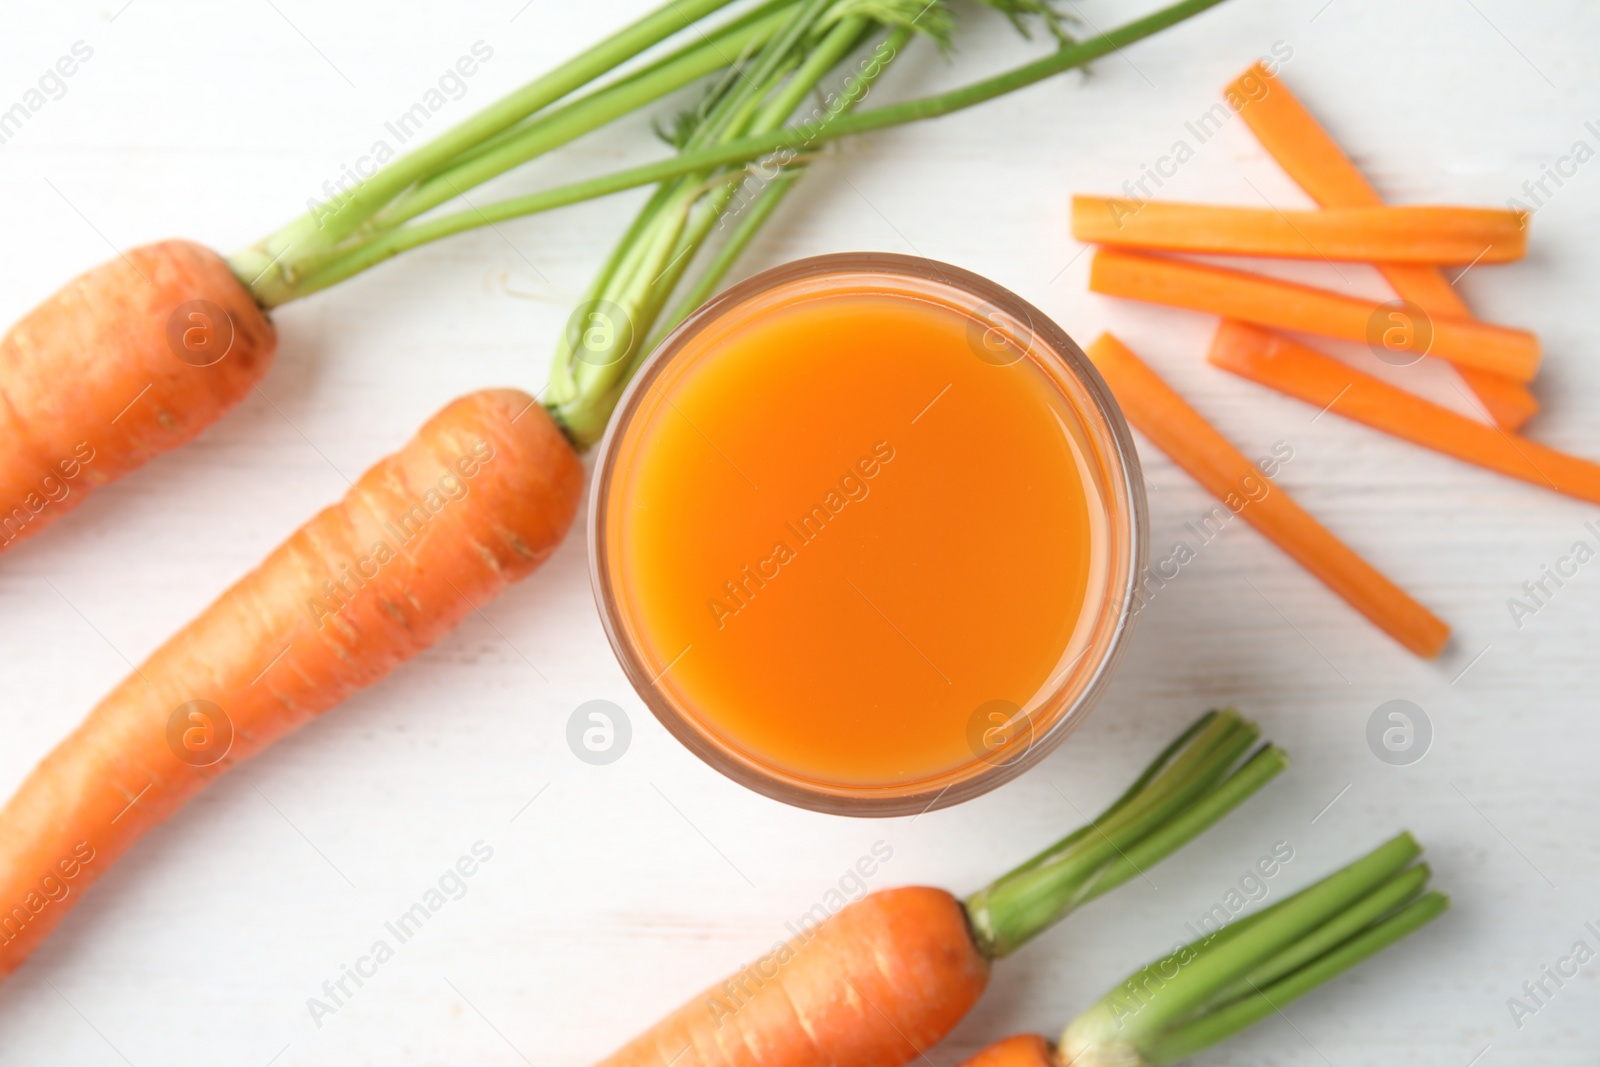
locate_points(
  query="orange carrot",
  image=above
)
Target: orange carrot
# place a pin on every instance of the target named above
(474, 502)
(128, 361)
(1305, 151)
(1308, 375)
(1358, 234)
(1285, 305)
(887, 977)
(1180, 431)
(877, 984)
(1023, 1050)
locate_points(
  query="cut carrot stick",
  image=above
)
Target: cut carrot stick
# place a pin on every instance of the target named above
(1316, 163)
(1180, 431)
(1356, 234)
(477, 500)
(1308, 375)
(1236, 294)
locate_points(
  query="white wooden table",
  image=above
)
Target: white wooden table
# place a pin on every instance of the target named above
(621, 889)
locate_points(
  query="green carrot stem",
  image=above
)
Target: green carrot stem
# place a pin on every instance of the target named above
(671, 18)
(1024, 901)
(1388, 897)
(1266, 764)
(274, 266)
(792, 139)
(766, 95)
(760, 208)
(1165, 993)
(562, 125)
(1184, 1041)
(731, 37)
(706, 284)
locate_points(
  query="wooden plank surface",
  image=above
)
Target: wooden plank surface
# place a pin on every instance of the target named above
(621, 889)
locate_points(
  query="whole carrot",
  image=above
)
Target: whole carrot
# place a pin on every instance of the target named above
(475, 501)
(891, 974)
(130, 360)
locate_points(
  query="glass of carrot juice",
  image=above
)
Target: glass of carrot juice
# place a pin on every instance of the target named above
(866, 534)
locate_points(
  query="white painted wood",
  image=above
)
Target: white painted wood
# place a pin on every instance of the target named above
(621, 889)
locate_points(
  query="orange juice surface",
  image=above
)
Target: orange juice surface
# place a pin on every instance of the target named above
(838, 533)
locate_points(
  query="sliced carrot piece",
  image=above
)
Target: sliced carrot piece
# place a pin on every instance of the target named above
(1356, 234)
(1308, 375)
(1237, 294)
(1182, 433)
(1316, 163)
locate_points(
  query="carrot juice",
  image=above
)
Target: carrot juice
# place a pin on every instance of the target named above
(857, 530)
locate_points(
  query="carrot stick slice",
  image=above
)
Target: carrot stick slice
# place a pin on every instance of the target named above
(1315, 162)
(1182, 433)
(1308, 375)
(1356, 234)
(1236, 294)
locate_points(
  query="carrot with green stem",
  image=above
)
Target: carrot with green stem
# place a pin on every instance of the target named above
(476, 501)
(1212, 988)
(167, 382)
(1157, 411)
(1306, 374)
(1317, 164)
(1357, 234)
(891, 974)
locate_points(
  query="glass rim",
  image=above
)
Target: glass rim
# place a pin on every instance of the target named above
(1048, 340)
